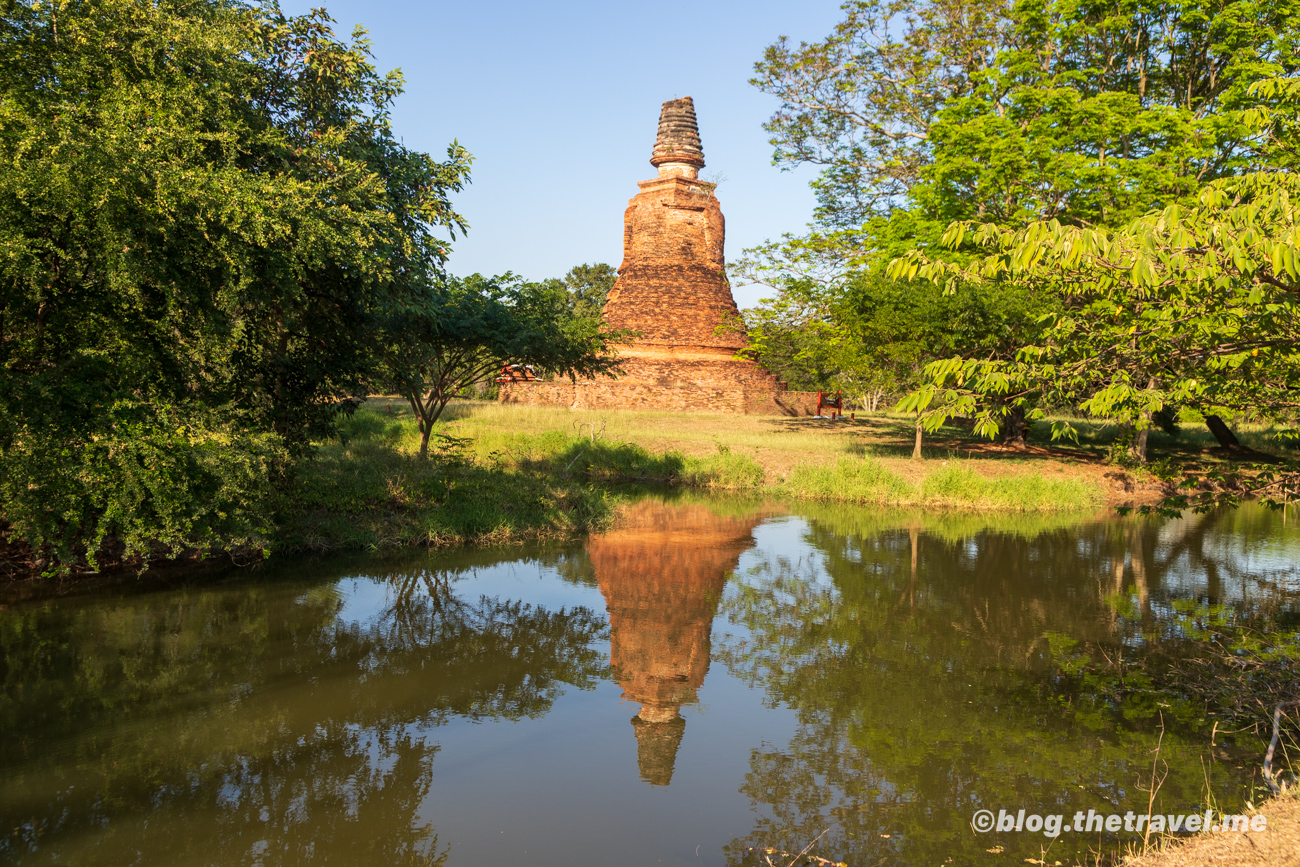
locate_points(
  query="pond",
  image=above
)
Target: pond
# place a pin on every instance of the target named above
(709, 677)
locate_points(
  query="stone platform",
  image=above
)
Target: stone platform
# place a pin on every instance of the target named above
(615, 394)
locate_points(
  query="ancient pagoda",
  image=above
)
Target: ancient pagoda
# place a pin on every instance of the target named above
(672, 289)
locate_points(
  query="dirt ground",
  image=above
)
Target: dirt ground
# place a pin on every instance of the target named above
(1279, 844)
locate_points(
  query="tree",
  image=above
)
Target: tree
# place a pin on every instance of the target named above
(1084, 116)
(588, 287)
(1086, 113)
(860, 331)
(203, 211)
(861, 102)
(467, 330)
(1196, 307)
(808, 348)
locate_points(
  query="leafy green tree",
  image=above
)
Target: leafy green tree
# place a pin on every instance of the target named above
(1087, 113)
(1191, 305)
(1196, 307)
(1076, 115)
(203, 210)
(798, 336)
(860, 103)
(869, 335)
(588, 287)
(465, 331)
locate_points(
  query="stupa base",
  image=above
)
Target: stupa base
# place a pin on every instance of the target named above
(624, 394)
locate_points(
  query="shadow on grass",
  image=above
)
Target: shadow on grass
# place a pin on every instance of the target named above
(613, 463)
(368, 495)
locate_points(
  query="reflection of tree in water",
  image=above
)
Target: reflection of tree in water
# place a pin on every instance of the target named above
(662, 572)
(491, 657)
(338, 794)
(922, 668)
(249, 723)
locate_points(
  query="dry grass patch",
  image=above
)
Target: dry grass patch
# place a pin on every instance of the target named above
(1278, 845)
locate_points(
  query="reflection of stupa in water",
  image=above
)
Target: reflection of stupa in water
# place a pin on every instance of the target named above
(662, 573)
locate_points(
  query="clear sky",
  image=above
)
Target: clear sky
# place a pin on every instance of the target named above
(559, 103)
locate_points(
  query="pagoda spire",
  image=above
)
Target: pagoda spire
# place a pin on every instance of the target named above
(677, 151)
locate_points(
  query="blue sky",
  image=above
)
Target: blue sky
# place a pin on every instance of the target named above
(558, 102)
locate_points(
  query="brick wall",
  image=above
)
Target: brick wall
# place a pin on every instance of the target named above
(629, 394)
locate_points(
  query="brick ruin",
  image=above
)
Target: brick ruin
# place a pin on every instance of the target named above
(672, 288)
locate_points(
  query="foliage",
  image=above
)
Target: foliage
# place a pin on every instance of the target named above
(1037, 109)
(465, 331)
(1074, 120)
(726, 470)
(870, 336)
(860, 103)
(159, 479)
(1189, 306)
(602, 461)
(372, 491)
(202, 210)
(808, 347)
(587, 287)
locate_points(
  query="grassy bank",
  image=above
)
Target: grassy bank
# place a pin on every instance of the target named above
(372, 493)
(952, 485)
(501, 474)
(866, 461)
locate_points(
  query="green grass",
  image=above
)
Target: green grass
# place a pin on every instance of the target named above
(372, 494)
(953, 485)
(503, 474)
(1097, 437)
(851, 480)
(726, 470)
(962, 487)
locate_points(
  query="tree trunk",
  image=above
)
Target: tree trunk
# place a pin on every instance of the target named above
(1014, 429)
(424, 439)
(1222, 432)
(1139, 449)
(916, 449)
(421, 411)
(430, 411)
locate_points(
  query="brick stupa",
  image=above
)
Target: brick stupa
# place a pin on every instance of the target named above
(672, 289)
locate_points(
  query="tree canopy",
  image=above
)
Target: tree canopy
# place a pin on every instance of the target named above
(1032, 109)
(1125, 166)
(1196, 307)
(588, 286)
(465, 331)
(203, 213)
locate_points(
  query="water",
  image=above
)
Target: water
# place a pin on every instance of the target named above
(710, 677)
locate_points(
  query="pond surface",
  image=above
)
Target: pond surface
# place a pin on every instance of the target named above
(710, 677)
